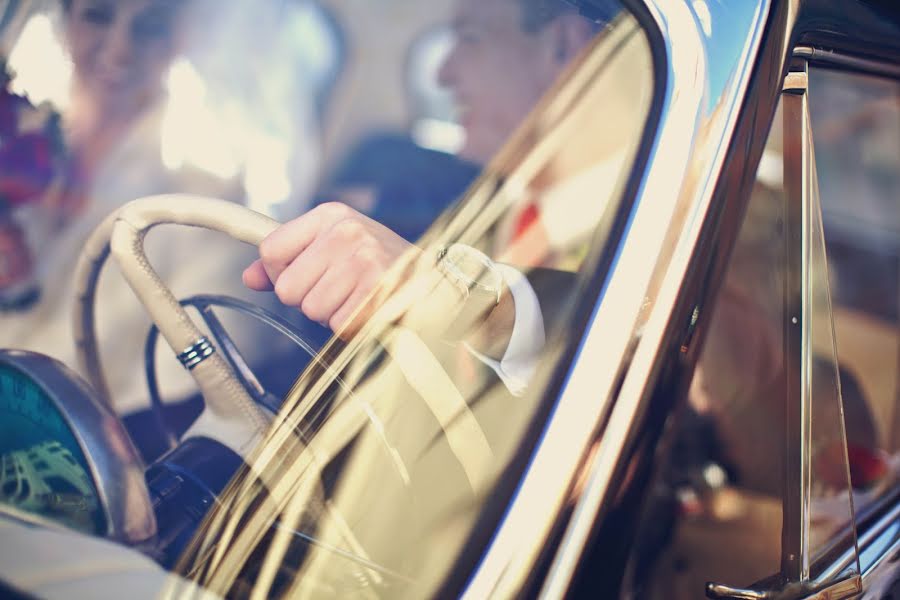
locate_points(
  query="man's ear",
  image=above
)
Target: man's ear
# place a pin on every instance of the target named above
(564, 38)
(571, 33)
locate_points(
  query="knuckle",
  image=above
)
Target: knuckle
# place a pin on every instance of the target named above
(368, 256)
(334, 209)
(313, 308)
(371, 279)
(349, 229)
(285, 291)
(269, 251)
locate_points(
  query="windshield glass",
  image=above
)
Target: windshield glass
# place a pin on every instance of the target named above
(451, 175)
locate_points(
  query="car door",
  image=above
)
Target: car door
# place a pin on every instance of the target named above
(855, 124)
(778, 478)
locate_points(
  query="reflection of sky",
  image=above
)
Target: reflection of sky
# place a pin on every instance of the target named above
(426, 58)
(725, 27)
(435, 124)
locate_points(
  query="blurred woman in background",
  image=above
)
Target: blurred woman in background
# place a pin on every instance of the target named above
(120, 51)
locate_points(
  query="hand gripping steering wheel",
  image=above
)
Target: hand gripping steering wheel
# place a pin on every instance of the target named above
(231, 415)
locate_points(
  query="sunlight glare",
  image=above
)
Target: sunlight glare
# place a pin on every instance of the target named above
(40, 64)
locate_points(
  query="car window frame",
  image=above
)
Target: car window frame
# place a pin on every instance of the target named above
(842, 572)
(785, 30)
(873, 526)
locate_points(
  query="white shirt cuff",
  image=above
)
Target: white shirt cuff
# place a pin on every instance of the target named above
(519, 362)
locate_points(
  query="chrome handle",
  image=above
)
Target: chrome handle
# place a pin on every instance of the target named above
(717, 591)
(842, 589)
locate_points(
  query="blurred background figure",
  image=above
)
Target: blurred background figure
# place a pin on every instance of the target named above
(141, 117)
(31, 157)
(391, 136)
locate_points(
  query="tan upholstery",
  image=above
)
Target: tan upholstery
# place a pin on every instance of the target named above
(228, 406)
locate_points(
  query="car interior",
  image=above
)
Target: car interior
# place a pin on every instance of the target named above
(316, 104)
(724, 478)
(282, 126)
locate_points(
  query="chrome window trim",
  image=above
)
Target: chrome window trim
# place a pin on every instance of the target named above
(706, 159)
(835, 58)
(867, 538)
(888, 552)
(796, 483)
(689, 149)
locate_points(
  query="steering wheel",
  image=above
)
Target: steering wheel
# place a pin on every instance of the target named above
(231, 415)
(204, 305)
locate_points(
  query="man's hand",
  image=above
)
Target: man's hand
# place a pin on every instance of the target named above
(326, 262)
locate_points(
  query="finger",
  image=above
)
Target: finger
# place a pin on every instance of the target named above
(353, 269)
(355, 310)
(329, 294)
(295, 281)
(256, 278)
(282, 246)
(330, 251)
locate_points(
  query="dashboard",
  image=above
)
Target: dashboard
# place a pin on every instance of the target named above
(43, 470)
(64, 455)
(66, 459)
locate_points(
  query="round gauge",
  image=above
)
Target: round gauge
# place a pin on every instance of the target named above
(42, 468)
(64, 455)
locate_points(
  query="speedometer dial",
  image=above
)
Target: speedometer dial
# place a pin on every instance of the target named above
(64, 454)
(42, 468)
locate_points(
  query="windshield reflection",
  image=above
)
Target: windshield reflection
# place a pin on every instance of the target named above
(447, 191)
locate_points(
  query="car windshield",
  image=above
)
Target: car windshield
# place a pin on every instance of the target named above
(494, 143)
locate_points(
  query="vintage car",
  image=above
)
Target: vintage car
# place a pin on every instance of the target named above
(706, 403)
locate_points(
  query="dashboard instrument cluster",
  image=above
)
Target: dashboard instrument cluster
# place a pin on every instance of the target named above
(64, 456)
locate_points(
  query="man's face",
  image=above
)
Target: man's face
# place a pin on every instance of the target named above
(496, 73)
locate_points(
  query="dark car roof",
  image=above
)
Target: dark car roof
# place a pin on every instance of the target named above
(868, 28)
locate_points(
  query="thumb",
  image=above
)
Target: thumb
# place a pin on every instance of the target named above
(256, 278)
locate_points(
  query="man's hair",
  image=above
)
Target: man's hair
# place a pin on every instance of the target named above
(537, 13)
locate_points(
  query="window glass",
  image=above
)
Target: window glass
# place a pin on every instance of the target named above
(716, 513)
(830, 502)
(386, 458)
(399, 445)
(721, 498)
(856, 125)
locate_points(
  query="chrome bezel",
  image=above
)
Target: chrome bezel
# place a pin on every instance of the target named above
(115, 466)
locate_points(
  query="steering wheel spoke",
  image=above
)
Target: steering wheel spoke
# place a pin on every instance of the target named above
(232, 354)
(231, 411)
(206, 306)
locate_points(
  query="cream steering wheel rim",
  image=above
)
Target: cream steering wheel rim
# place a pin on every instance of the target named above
(231, 415)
